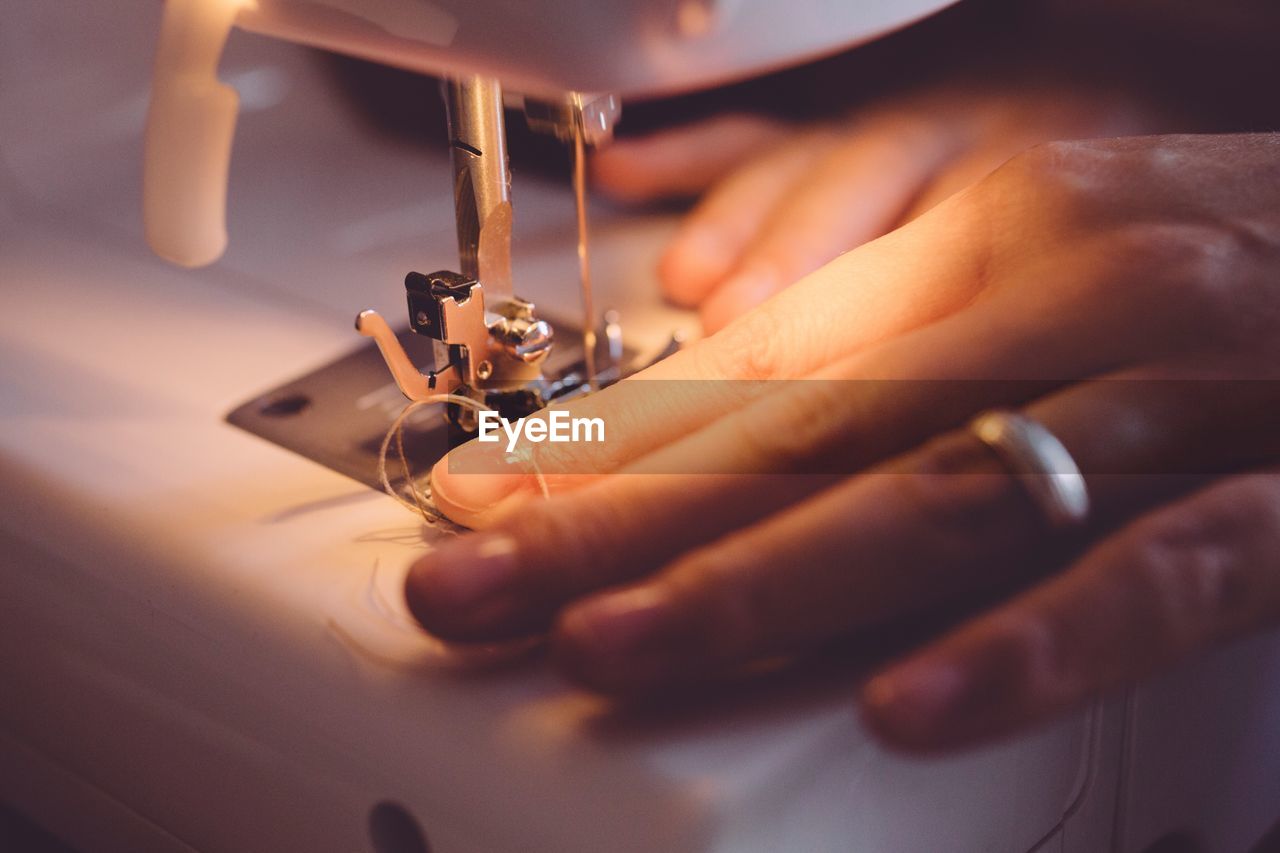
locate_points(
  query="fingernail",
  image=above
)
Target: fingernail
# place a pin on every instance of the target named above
(697, 253)
(914, 700)
(471, 574)
(750, 287)
(618, 637)
(458, 485)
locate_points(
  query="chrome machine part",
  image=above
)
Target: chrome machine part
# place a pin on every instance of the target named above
(490, 345)
(481, 182)
(522, 335)
(496, 347)
(579, 120)
(409, 379)
(592, 117)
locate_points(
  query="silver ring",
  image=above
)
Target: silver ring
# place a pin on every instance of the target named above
(1038, 460)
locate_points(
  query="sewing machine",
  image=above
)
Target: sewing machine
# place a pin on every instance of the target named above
(202, 641)
(490, 345)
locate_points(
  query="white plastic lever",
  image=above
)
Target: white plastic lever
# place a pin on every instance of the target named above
(190, 125)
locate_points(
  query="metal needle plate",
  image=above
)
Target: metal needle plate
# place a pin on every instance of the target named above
(338, 414)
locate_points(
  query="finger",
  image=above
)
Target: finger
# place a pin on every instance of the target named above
(900, 287)
(857, 192)
(682, 161)
(823, 568)
(943, 521)
(1193, 573)
(716, 233)
(637, 520)
(482, 481)
(511, 581)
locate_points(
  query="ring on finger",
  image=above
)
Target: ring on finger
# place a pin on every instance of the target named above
(1036, 458)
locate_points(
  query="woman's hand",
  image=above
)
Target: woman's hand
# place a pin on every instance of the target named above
(781, 201)
(1125, 294)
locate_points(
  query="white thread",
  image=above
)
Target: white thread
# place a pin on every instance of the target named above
(421, 503)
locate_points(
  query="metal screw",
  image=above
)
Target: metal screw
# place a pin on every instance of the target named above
(422, 319)
(484, 369)
(534, 342)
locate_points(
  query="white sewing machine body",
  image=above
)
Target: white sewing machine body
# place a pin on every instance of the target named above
(545, 48)
(202, 644)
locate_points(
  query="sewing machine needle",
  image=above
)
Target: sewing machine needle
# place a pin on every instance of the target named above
(584, 260)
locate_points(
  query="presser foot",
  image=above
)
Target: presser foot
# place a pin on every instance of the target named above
(496, 355)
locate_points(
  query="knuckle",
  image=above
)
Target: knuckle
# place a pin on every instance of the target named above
(787, 431)
(1061, 166)
(1050, 158)
(1190, 271)
(1183, 581)
(969, 511)
(1073, 181)
(1202, 251)
(1042, 193)
(569, 543)
(1192, 565)
(1039, 657)
(1260, 497)
(735, 611)
(748, 348)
